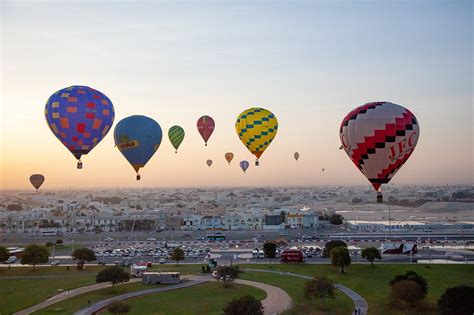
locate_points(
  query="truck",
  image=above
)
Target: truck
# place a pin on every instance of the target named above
(398, 248)
(161, 277)
(292, 256)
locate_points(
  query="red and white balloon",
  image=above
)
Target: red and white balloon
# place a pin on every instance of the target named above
(379, 138)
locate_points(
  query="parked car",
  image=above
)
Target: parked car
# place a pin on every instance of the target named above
(55, 262)
(162, 261)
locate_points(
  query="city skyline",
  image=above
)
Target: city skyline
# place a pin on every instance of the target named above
(309, 63)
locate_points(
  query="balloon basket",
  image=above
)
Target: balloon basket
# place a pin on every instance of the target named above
(379, 197)
(138, 177)
(79, 165)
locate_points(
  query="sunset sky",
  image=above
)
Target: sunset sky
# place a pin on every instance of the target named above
(309, 62)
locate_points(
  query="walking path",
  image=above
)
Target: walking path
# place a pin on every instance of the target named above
(69, 294)
(277, 300)
(359, 301)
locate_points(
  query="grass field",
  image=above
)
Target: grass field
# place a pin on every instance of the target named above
(18, 294)
(372, 283)
(342, 304)
(208, 298)
(71, 305)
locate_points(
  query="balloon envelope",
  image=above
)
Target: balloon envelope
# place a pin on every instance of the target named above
(244, 165)
(256, 128)
(296, 155)
(229, 156)
(79, 117)
(379, 138)
(137, 137)
(176, 136)
(209, 163)
(37, 180)
(205, 126)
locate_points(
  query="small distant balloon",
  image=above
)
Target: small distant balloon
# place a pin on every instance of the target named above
(176, 136)
(80, 117)
(209, 163)
(137, 137)
(323, 169)
(244, 165)
(229, 156)
(296, 155)
(37, 180)
(205, 126)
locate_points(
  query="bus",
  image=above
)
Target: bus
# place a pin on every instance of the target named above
(215, 237)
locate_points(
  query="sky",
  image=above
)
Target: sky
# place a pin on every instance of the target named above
(309, 62)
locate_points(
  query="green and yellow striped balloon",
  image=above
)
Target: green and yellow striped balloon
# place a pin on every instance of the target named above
(176, 136)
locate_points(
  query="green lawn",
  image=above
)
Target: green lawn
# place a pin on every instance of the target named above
(18, 294)
(71, 305)
(372, 283)
(342, 304)
(208, 298)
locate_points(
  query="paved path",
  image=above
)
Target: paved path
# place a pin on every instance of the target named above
(277, 300)
(359, 301)
(69, 294)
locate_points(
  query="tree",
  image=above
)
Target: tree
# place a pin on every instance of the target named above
(330, 245)
(4, 254)
(177, 255)
(83, 255)
(406, 292)
(118, 307)
(335, 219)
(114, 274)
(59, 242)
(269, 249)
(320, 287)
(411, 276)
(35, 254)
(245, 305)
(457, 300)
(227, 272)
(370, 253)
(340, 258)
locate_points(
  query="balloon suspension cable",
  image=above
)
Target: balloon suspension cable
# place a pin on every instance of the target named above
(138, 176)
(79, 164)
(257, 163)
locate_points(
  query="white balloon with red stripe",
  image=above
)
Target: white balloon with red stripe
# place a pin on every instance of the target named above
(379, 138)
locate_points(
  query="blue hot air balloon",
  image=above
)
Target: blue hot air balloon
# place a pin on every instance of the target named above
(244, 165)
(138, 137)
(79, 117)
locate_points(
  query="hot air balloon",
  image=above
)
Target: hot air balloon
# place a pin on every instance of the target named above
(205, 126)
(79, 117)
(209, 163)
(176, 136)
(256, 128)
(244, 165)
(296, 155)
(229, 156)
(37, 180)
(137, 137)
(379, 138)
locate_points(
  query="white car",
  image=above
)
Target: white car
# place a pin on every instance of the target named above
(109, 239)
(161, 261)
(151, 239)
(55, 262)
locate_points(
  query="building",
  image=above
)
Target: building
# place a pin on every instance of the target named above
(394, 225)
(273, 222)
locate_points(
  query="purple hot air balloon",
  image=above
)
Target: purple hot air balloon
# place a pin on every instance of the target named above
(244, 165)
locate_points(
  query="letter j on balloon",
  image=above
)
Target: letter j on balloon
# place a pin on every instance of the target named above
(379, 138)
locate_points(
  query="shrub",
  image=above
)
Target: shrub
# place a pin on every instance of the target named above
(457, 300)
(245, 305)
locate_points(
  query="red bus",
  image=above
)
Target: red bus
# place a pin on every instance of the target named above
(292, 256)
